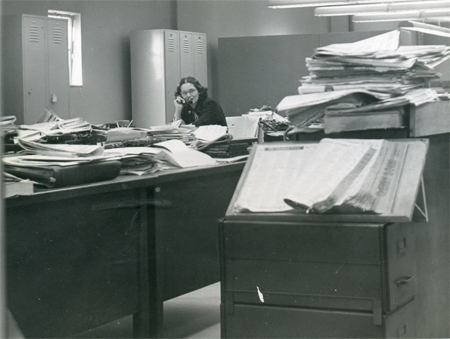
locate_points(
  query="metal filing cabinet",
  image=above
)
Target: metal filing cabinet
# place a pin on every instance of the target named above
(317, 279)
(294, 273)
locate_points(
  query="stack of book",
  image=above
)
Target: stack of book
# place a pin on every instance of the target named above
(227, 150)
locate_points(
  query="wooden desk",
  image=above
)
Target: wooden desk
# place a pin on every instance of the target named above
(82, 256)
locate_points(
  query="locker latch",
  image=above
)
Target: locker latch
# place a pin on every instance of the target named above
(229, 303)
(401, 247)
(377, 312)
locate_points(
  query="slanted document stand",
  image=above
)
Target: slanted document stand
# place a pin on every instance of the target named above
(289, 274)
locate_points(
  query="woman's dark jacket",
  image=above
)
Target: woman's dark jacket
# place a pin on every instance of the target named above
(208, 111)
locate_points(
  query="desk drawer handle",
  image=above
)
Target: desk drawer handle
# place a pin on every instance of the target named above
(404, 280)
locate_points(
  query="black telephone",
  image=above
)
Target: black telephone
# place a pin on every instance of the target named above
(181, 101)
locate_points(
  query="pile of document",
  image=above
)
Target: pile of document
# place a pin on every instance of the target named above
(373, 74)
(53, 129)
(8, 128)
(60, 165)
(174, 131)
(160, 156)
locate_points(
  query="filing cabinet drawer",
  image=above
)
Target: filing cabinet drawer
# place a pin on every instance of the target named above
(312, 278)
(318, 242)
(249, 321)
(340, 266)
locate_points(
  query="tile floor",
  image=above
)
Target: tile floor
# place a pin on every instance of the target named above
(193, 315)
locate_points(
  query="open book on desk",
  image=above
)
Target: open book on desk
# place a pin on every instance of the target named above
(334, 176)
(177, 153)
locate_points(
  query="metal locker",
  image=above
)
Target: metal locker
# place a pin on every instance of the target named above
(171, 77)
(186, 55)
(200, 58)
(159, 59)
(34, 68)
(58, 68)
(37, 67)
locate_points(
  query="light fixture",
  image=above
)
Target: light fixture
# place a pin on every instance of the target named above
(437, 20)
(276, 4)
(382, 7)
(430, 11)
(401, 15)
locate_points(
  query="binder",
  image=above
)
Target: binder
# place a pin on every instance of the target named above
(53, 176)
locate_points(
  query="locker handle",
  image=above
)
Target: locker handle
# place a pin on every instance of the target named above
(404, 280)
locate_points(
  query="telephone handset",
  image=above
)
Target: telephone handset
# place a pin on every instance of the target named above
(181, 101)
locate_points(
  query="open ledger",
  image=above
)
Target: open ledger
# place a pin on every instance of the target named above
(343, 176)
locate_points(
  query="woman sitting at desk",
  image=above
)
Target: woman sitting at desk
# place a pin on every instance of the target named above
(193, 106)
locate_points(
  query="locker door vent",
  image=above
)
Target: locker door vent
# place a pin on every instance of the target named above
(186, 46)
(200, 46)
(57, 35)
(35, 34)
(171, 44)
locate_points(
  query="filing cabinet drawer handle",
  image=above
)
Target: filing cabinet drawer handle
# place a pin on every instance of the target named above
(404, 280)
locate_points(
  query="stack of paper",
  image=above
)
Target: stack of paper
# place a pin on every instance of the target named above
(53, 129)
(210, 132)
(60, 165)
(8, 126)
(61, 150)
(173, 131)
(173, 152)
(364, 76)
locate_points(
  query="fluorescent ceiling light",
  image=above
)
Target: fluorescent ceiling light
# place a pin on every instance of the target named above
(437, 20)
(400, 16)
(435, 11)
(381, 7)
(275, 4)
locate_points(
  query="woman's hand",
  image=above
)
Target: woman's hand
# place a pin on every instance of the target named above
(178, 102)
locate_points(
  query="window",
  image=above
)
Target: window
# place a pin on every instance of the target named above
(74, 42)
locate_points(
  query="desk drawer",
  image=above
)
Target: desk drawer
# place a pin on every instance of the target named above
(282, 322)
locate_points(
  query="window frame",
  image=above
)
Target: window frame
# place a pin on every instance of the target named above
(74, 56)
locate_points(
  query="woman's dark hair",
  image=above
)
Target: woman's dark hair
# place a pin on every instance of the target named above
(202, 91)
